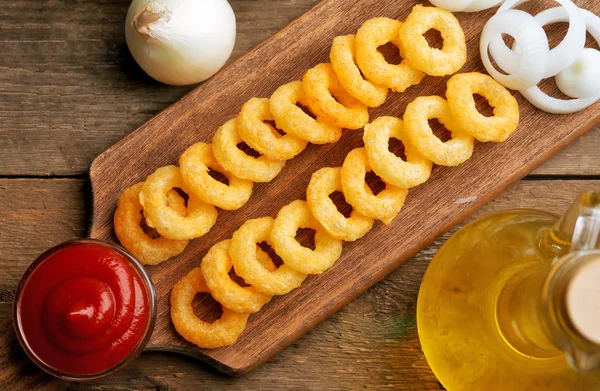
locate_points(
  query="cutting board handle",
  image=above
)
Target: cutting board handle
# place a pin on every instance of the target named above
(17, 371)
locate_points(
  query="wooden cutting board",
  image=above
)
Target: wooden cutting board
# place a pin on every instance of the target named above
(449, 196)
(431, 209)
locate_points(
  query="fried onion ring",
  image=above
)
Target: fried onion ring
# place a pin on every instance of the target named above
(373, 34)
(322, 184)
(392, 169)
(416, 125)
(506, 109)
(328, 99)
(131, 235)
(416, 49)
(261, 136)
(236, 161)
(292, 217)
(246, 264)
(222, 332)
(168, 223)
(216, 265)
(194, 165)
(292, 120)
(383, 206)
(343, 60)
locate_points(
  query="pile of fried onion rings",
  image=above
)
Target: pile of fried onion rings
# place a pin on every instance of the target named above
(319, 212)
(339, 95)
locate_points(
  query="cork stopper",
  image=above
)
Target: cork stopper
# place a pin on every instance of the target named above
(583, 300)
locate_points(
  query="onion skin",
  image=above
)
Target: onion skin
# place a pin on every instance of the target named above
(180, 42)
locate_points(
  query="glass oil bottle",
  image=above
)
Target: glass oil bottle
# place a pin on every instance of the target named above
(511, 302)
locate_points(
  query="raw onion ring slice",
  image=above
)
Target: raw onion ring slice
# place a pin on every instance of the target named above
(452, 5)
(560, 57)
(480, 5)
(532, 40)
(543, 101)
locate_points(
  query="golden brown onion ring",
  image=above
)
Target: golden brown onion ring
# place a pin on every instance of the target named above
(289, 220)
(222, 332)
(343, 60)
(237, 162)
(416, 49)
(373, 34)
(498, 127)
(168, 222)
(248, 266)
(416, 125)
(383, 206)
(216, 265)
(261, 136)
(322, 184)
(292, 120)
(194, 165)
(329, 100)
(392, 169)
(127, 219)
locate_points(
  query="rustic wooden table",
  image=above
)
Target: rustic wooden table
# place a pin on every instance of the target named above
(69, 89)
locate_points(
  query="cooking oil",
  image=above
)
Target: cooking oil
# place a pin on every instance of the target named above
(481, 315)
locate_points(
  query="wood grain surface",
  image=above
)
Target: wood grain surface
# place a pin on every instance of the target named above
(430, 210)
(69, 89)
(369, 344)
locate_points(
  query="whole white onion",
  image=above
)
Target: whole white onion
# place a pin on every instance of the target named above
(180, 42)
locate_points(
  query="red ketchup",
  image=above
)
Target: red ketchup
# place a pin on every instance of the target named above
(84, 308)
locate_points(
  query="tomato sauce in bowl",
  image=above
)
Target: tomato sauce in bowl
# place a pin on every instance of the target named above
(84, 309)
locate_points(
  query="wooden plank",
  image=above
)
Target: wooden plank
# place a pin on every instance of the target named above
(579, 158)
(430, 210)
(36, 215)
(371, 343)
(69, 88)
(5, 307)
